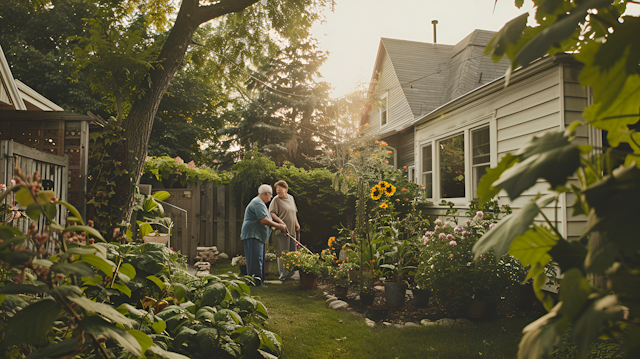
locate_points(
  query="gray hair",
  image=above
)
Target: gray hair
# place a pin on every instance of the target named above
(265, 188)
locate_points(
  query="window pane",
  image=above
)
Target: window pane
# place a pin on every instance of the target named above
(426, 159)
(478, 172)
(427, 180)
(452, 167)
(480, 143)
(383, 112)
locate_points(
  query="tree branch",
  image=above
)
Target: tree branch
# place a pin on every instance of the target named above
(209, 12)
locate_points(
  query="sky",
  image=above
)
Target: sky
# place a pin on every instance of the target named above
(351, 33)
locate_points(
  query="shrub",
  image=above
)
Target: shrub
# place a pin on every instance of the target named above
(306, 263)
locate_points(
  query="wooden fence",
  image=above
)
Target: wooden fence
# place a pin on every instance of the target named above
(213, 217)
(54, 171)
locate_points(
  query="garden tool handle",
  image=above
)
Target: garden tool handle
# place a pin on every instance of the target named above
(298, 242)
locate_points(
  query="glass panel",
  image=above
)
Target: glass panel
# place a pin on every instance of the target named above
(481, 147)
(426, 159)
(392, 157)
(427, 180)
(478, 172)
(383, 112)
(452, 167)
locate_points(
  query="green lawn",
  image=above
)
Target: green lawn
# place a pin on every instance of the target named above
(310, 330)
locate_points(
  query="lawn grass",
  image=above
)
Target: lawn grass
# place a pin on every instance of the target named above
(310, 330)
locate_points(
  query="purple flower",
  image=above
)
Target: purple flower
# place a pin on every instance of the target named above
(441, 235)
(453, 243)
(457, 229)
(450, 237)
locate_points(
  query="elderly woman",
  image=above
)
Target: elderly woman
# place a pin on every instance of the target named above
(256, 229)
(283, 208)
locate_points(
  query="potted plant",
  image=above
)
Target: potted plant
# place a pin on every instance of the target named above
(397, 258)
(270, 258)
(341, 279)
(152, 218)
(240, 261)
(307, 264)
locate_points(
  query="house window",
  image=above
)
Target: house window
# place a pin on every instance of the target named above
(451, 167)
(383, 110)
(427, 171)
(480, 154)
(411, 175)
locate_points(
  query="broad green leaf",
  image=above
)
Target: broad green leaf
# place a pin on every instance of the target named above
(123, 288)
(143, 339)
(600, 256)
(574, 291)
(80, 269)
(207, 337)
(133, 312)
(34, 211)
(532, 246)
(247, 304)
(586, 328)
(214, 295)
(159, 326)
(245, 288)
(149, 205)
(92, 232)
(540, 337)
(24, 196)
(500, 237)
(508, 35)
(157, 281)
(74, 212)
(42, 262)
(99, 327)
(568, 254)
(249, 339)
(179, 290)
(81, 250)
(102, 309)
(165, 354)
(183, 335)
(536, 272)
(261, 308)
(145, 229)
(58, 350)
(551, 157)
(17, 258)
(8, 243)
(45, 197)
(486, 191)
(128, 270)
(8, 232)
(23, 289)
(206, 313)
(32, 323)
(99, 263)
(161, 195)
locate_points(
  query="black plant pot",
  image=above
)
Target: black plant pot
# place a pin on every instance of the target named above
(377, 313)
(421, 297)
(394, 293)
(367, 298)
(243, 269)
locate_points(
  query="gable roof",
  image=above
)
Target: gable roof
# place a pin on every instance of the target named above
(17, 95)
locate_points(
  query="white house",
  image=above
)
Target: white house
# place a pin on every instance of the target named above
(478, 128)
(411, 79)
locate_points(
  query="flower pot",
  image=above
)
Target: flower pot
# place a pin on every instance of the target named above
(354, 275)
(267, 267)
(163, 238)
(394, 293)
(243, 269)
(377, 313)
(308, 281)
(367, 298)
(341, 291)
(421, 297)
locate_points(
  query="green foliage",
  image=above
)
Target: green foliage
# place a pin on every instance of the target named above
(108, 177)
(307, 263)
(173, 171)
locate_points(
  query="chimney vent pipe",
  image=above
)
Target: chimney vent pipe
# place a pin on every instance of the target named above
(434, 22)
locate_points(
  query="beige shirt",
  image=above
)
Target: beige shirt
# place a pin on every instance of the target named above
(285, 209)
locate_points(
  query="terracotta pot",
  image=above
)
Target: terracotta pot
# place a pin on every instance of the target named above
(341, 291)
(308, 281)
(267, 267)
(163, 238)
(421, 297)
(394, 293)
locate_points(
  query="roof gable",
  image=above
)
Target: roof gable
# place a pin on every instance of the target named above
(9, 94)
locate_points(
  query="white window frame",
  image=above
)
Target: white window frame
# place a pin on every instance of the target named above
(411, 174)
(385, 98)
(419, 177)
(471, 165)
(395, 155)
(466, 130)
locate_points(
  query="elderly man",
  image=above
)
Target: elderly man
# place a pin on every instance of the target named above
(256, 229)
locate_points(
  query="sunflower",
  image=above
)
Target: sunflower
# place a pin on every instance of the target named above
(384, 184)
(384, 205)
(390, 190)
(376, 192)
(331, 239)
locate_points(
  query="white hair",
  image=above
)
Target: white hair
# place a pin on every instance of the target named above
(265, 188)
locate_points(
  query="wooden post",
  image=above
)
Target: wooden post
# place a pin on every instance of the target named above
(234, 238)
(195, 220)
(220, 237)
(84, 167)
(61, 135)
(208, 215)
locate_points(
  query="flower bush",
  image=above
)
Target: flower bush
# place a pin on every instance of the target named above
(448, 270)
(239, 261)
(306, 263)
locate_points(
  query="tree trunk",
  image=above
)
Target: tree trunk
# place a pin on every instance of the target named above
(139, 122)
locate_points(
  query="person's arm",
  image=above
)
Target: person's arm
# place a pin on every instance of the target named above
(297, 225)
(276, 218)
(268, 222)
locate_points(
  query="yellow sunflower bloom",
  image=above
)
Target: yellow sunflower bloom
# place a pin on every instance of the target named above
(384, 205)
(331, 240)
(384, 185)
(390, 190)
(376, 193)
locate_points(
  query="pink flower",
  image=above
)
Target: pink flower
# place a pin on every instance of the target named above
(451, 255)
(453, 243)
(492, 225)
(435, 229)
(191, 165)
(438, 221)
(12, 182)
(446, 224)
(441, 235)
(432, 266)
(450, 237)
(171, 248)
(426, 239)
(3, 186)
(427, 233)
(457, 229)
(179, 160)
(478, 215)
(467, 221)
